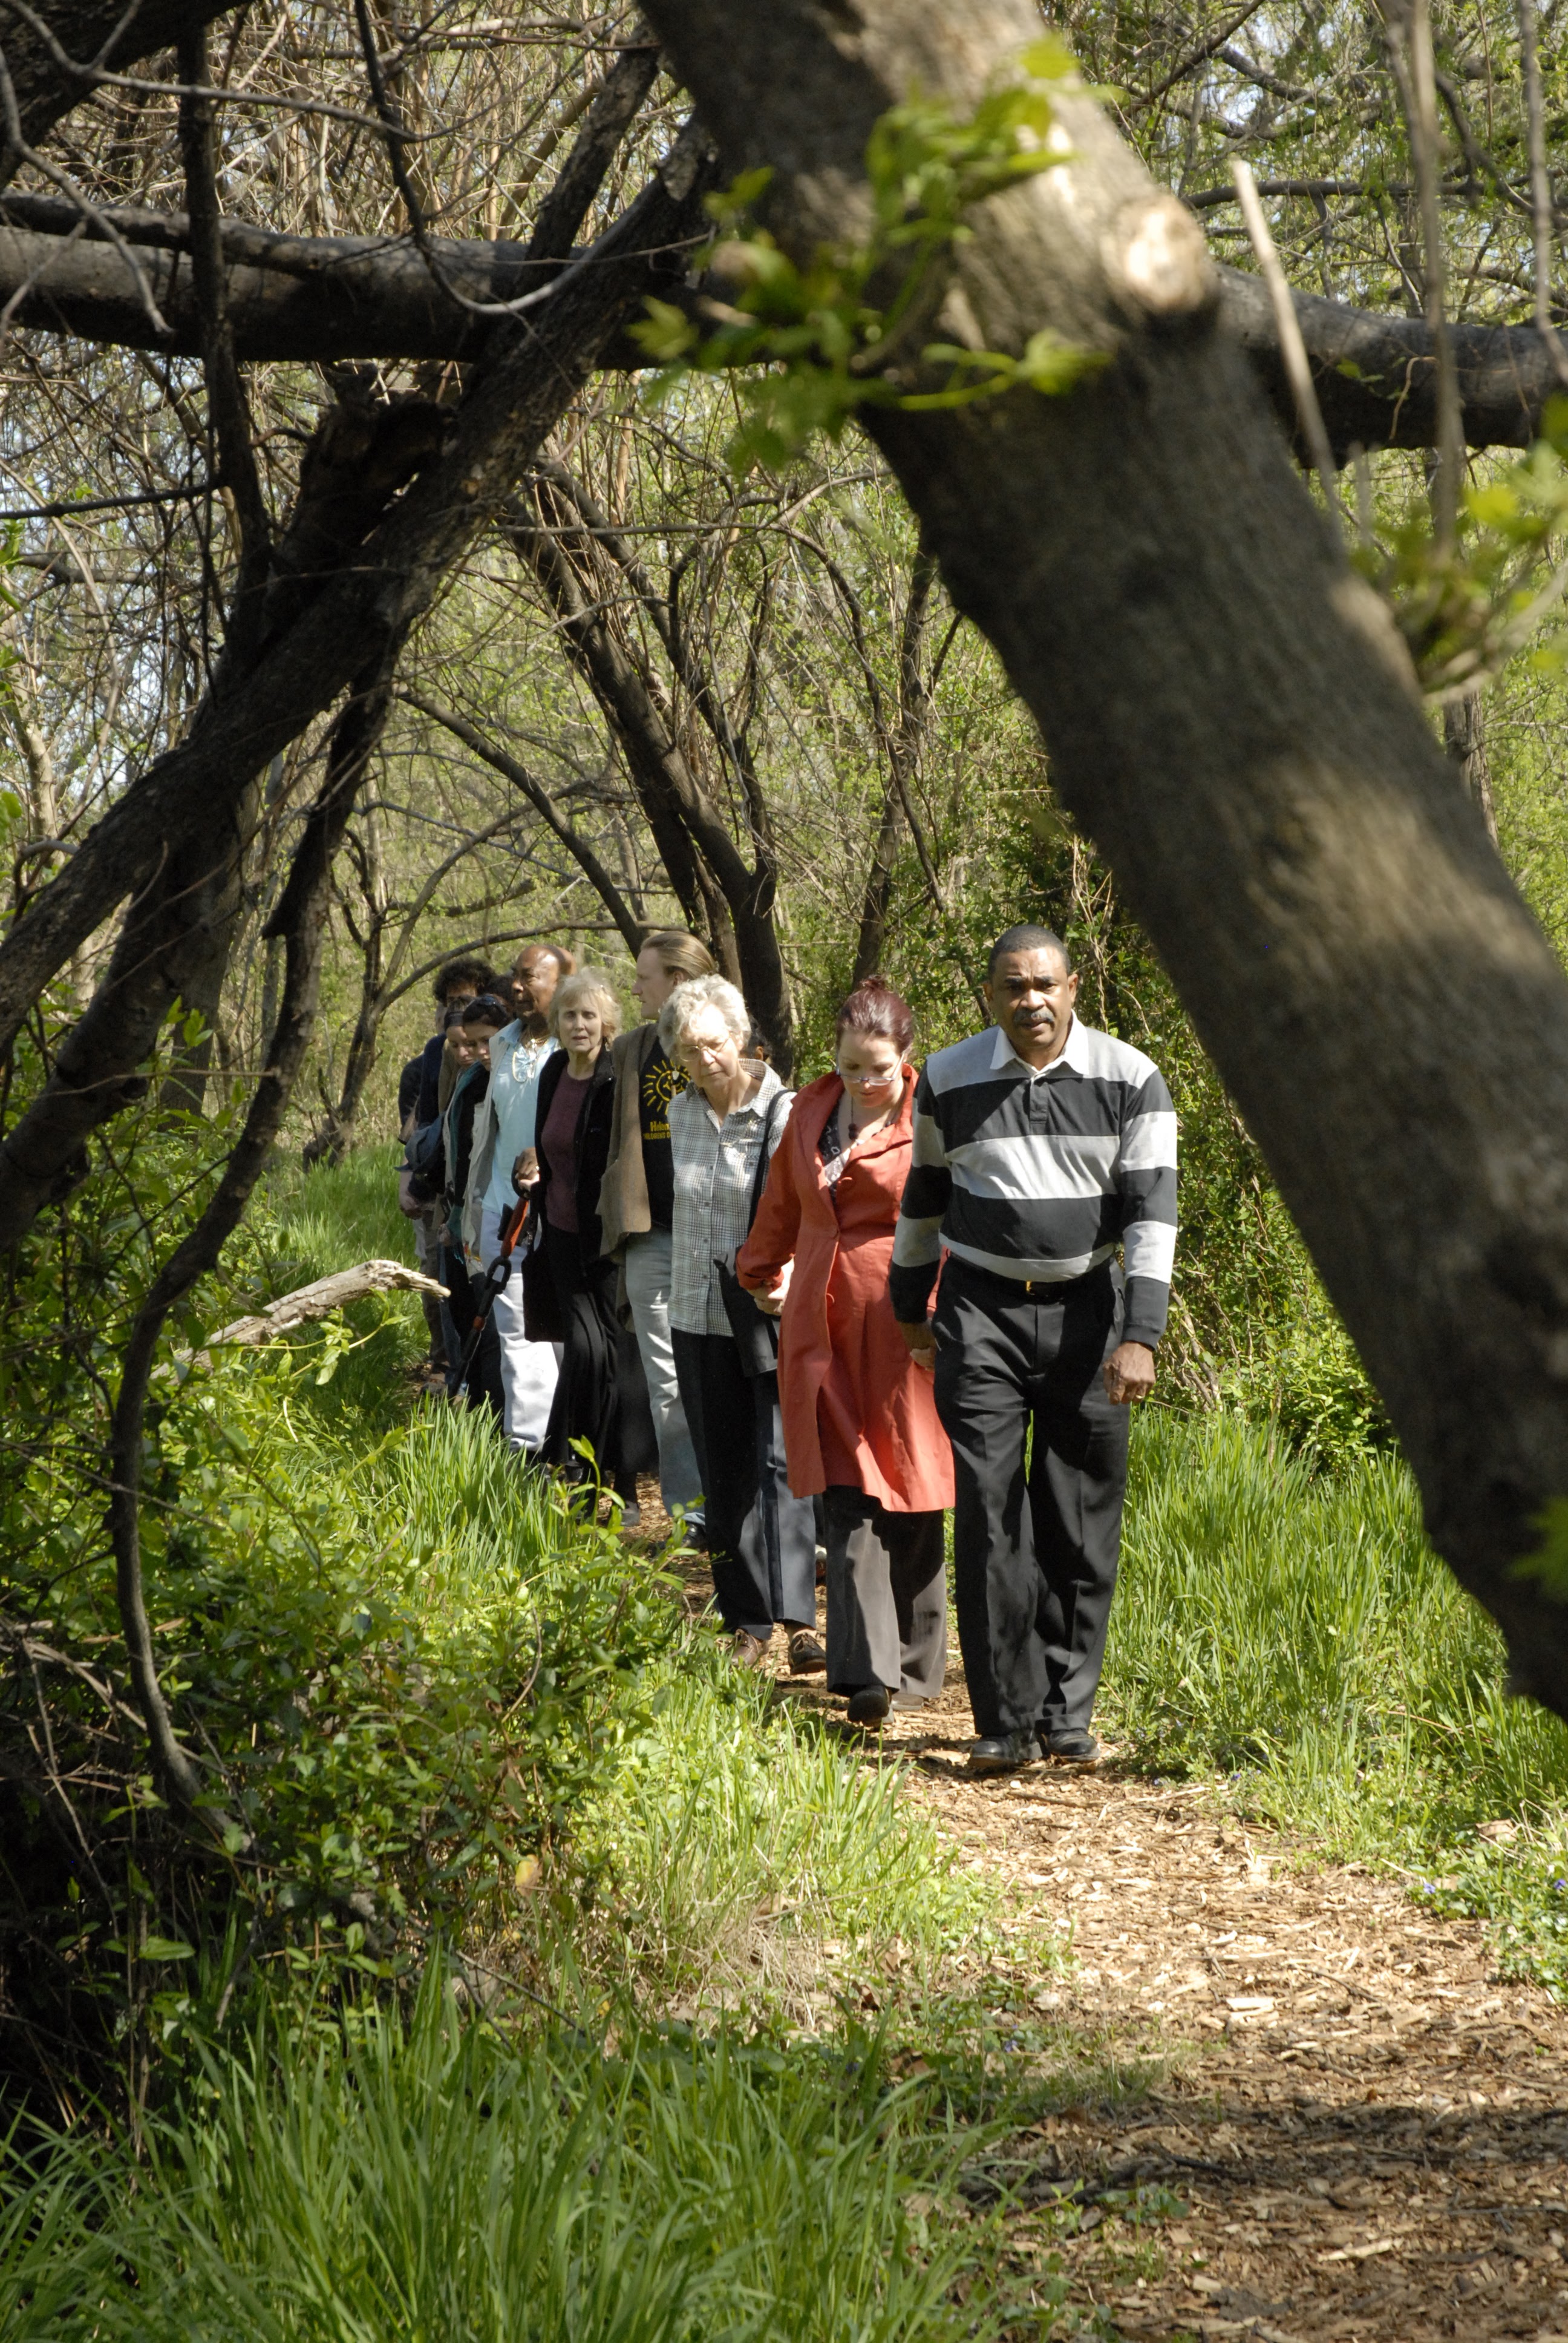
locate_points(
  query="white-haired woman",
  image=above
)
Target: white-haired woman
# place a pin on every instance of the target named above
(723, 1130)
(601, 1396)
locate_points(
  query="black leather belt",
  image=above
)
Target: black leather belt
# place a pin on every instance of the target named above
(1037, 1288)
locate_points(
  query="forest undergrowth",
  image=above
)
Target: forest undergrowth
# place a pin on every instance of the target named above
(590, 1992)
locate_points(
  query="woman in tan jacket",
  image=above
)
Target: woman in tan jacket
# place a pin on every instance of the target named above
(636, 1199)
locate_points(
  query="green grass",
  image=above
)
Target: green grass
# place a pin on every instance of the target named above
(748, 1857)
(313, 1223)
(1294, 1634)
(430, 2177)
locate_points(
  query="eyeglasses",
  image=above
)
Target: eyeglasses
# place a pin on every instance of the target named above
(701, 1052)
(870, 1081)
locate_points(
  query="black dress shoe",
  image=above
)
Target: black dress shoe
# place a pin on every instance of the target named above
(1073, 1747)
(870, 1704)
(1004, 1752)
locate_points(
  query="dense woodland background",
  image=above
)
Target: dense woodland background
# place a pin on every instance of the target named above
(865, 776)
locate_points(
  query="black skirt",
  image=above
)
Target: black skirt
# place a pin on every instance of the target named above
(601, 1396)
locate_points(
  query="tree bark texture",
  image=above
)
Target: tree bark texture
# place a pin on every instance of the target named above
(322, 299)
(1229, 716)
(1464, 738)
(84, 29)
(325, 615)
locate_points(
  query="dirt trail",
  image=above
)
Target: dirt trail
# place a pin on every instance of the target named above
(1369, 2131)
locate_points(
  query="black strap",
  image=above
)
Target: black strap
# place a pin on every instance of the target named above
(764, 1159)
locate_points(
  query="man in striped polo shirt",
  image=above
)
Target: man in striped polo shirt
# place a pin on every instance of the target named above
(1040, 1146)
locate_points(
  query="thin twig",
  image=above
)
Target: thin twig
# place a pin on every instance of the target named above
(1292, 349)
(63, 511)
(1199, 56)
(93, 77)
(1415, 73)
(1540, 208)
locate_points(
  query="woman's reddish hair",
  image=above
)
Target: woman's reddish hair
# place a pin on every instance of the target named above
(876, 1010)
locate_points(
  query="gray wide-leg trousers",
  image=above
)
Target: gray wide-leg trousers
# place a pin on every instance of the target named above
(887, 1597)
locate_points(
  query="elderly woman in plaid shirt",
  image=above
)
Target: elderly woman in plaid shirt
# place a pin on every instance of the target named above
(723, 1130)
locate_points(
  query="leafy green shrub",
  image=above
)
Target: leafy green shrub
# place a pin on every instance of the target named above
(404, 1671)
(1307, 1379)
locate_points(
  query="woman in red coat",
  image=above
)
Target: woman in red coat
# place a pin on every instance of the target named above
(860, 1422)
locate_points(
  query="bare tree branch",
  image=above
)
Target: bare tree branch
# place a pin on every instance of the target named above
(330, 298)
(528, 375)
(631, 928)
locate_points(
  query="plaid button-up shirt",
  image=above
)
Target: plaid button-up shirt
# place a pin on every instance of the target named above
(715, 1166)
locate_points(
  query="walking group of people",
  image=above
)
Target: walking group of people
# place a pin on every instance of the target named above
(832, 1315)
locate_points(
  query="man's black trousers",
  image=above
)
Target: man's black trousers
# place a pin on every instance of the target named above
(1037, 1525)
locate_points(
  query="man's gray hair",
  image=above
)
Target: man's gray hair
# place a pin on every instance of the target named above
(687, 1002)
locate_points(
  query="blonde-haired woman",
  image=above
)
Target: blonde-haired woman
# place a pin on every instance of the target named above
(601, 1397)
(762, 1541)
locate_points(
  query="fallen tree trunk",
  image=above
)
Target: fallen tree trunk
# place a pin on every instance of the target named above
(308, 1303)
(1230, 716)
(336, 297)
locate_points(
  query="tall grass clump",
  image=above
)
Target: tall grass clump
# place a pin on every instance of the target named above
(426, 2176)
(1291, 1629)
(738, 1843)
(311, 1223)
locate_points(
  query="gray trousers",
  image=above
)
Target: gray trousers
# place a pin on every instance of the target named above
(648, 1278)
(1039, 1460)
(887, 1597)
(762, 1541)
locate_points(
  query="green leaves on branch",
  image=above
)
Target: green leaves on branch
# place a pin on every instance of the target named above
(831, 331)
(1467, 609)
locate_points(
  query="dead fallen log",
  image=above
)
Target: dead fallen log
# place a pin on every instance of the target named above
(306, 1303)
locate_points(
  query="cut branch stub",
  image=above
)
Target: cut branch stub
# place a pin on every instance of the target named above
(308, 1303)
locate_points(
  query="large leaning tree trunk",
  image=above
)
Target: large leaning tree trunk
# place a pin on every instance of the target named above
(1227, 716)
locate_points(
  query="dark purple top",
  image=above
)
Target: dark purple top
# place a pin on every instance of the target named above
(558, 1146)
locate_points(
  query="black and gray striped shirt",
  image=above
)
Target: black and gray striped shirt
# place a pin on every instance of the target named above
(1040, 1173)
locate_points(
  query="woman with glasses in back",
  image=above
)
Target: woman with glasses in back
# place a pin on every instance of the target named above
(861, 1423)
(723, 1129)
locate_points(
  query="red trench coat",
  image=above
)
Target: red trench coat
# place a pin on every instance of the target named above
(846, 1380)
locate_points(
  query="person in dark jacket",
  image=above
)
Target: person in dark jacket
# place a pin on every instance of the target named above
(460, 981)
(470, 1047)
(601, 1397)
